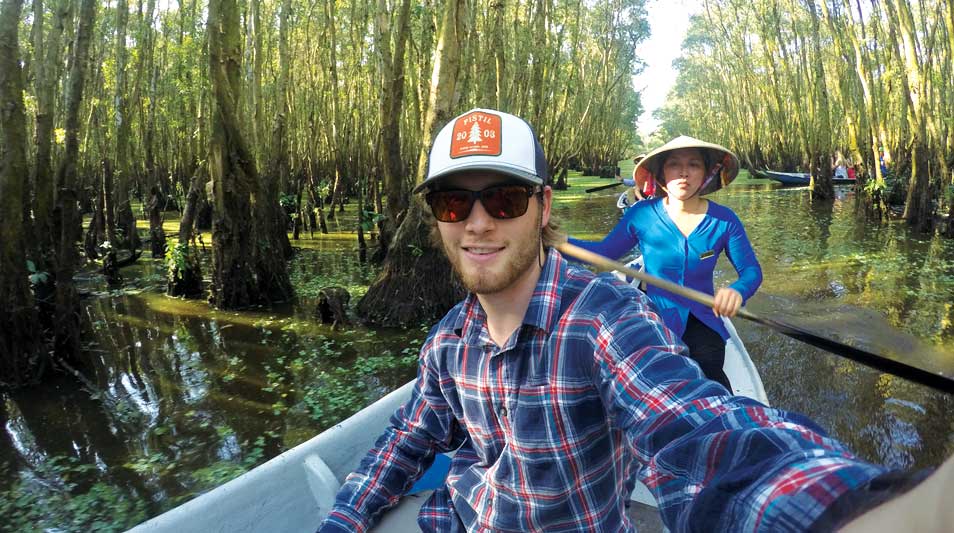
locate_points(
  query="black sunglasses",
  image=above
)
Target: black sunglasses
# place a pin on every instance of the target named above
(500, 201)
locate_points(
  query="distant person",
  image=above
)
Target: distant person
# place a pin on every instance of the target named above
(681, 236)
(641, 189)
(883, 160)
(840, 166)
(554, 385)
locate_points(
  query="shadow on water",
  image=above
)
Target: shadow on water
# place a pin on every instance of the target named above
(182, 398)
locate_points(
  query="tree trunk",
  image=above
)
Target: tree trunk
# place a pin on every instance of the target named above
(917, 208)
(21, 359)
(273, 186)
(47, 79)
(390, 111)
(185, 272)
(67, 222)
(157, 235)
(125, 220)
(417, 282)
(820, 149)
(231, 166)
(271, 236)
(337, 180)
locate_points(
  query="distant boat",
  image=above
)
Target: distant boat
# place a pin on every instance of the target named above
(798, 178)
(622, 202)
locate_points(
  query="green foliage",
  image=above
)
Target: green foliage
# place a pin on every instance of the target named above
(309, 272)
(369, 219)
(288, 202)
(337, 394)
(36, 277)
(209, 477)
(875, 188)
(181, 258)
(47, 501)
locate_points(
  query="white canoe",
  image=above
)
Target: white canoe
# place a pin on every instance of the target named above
(623, 202)
(294, 491)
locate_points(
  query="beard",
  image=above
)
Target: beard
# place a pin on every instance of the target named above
(526, 250)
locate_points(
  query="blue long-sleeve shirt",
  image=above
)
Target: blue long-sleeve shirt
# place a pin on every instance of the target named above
(590, 388)
(688, 261)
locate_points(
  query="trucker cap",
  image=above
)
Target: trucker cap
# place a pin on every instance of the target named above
(484, 139)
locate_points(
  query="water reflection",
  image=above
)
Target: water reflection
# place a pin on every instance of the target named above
(182, 398)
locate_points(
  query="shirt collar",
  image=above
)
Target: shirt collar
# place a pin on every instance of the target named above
(541, 313)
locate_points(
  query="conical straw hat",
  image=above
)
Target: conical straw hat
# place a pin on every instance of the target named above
(651, 166)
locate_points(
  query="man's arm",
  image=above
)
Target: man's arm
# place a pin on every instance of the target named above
(714, 462)
(419, 429)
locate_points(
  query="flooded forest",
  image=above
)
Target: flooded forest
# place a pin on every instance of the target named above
(209, 251)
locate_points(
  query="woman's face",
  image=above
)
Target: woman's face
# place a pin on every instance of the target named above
(683, 171)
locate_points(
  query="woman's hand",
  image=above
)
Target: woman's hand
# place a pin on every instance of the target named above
(727, 302)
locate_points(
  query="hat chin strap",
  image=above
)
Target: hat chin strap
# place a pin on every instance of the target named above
(715, 172)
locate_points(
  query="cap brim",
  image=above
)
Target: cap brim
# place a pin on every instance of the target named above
(499, 168)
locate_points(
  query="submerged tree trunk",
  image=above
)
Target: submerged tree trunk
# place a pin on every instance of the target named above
(185, 269)
(125, 220)
(275, 185)
(390, 111)
(21, 359)
(67, 220)
(917, 208)
(820, 148)
(271, 239)
(231, 166)
(417, 282)
(47, 78)
(157, 235)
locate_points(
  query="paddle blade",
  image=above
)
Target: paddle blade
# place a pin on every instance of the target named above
(601, 187)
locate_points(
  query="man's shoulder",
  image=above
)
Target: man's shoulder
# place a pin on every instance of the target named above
(449, 323)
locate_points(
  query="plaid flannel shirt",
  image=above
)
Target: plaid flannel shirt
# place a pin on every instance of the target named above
(589, 390)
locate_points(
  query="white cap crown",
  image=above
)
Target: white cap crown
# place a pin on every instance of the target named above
(484, 139)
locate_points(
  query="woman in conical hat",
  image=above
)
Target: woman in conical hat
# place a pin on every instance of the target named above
(681, 235)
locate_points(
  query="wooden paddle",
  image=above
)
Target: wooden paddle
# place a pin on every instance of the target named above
(601, 187)
(936, 381)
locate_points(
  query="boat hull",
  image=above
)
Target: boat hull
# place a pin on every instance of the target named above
(799, 178)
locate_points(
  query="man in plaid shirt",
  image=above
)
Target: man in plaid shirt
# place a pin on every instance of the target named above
(556, 385)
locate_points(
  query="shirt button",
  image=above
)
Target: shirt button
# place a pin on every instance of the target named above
(503, 412)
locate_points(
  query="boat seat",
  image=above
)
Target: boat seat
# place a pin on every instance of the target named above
(322, 482)
(324, 486)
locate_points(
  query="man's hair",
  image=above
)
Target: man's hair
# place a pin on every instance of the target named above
(551, 235)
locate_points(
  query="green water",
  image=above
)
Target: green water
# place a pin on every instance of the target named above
(184, 398)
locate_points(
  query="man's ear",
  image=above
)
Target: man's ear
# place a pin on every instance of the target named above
(547, 204)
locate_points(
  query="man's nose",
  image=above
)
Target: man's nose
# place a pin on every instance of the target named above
(479, 220)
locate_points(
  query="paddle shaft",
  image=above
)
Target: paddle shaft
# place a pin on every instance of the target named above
(873, 360)
(601, 187)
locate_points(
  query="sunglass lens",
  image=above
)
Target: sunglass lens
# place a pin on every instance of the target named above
(505, 202)
(451, 206)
